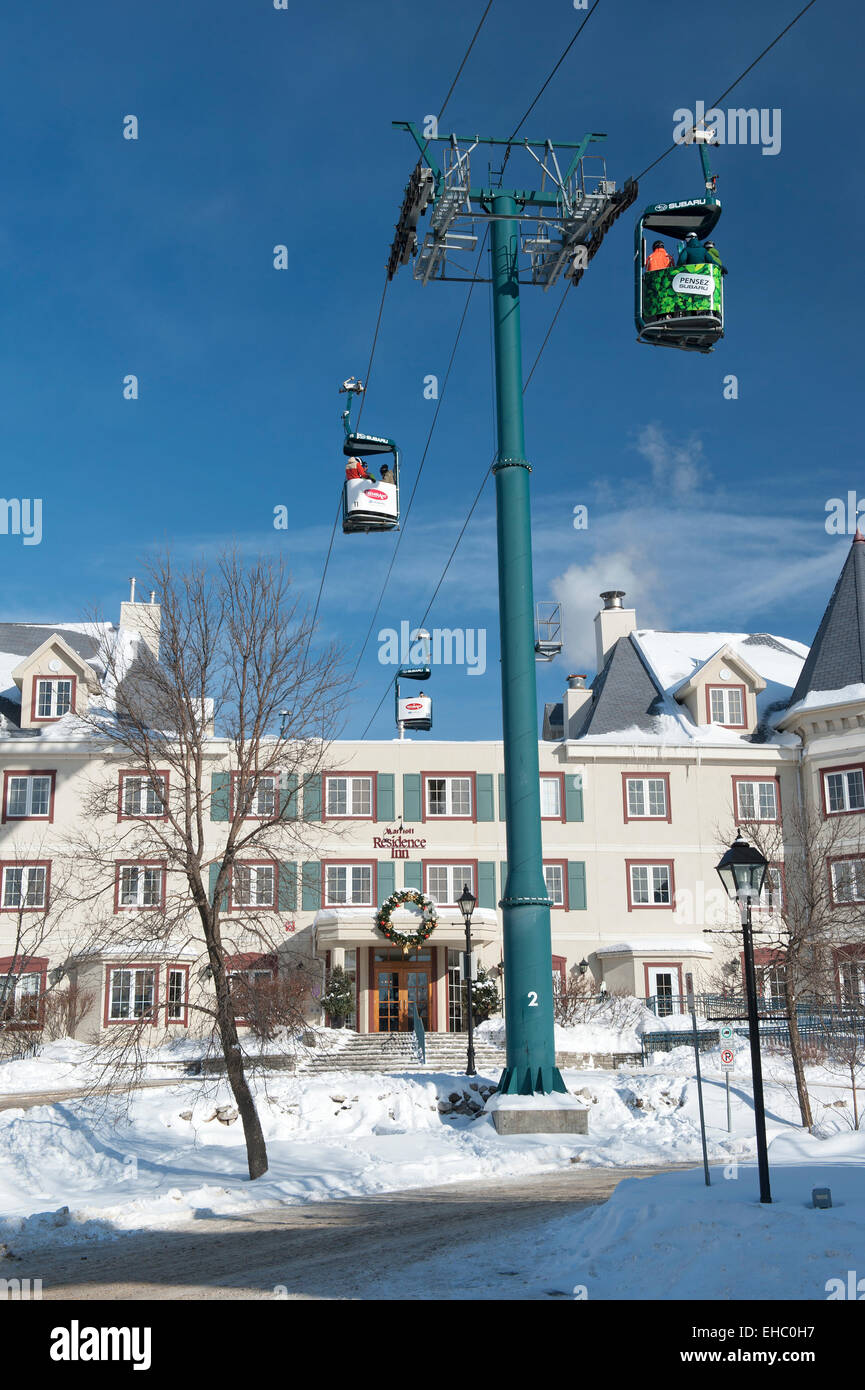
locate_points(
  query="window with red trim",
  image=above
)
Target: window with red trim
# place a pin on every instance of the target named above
(24, 885)
(28, 795)
(177, 994)
(131, 993)
(647, 797)
(556, 879)
(444, 882)
(551, 796)
(140, 885)
(650, 883)
(349, 797)
(848, 880)
(262, 795)
(349, 885)
(142, 796)
(757, 799)
(844, 790)
(53, 696)
(253, 884)
(726, 705)
(449, 797)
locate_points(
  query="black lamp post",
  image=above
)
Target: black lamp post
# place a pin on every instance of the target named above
(583, 966)
(467, 903)
(743, 873)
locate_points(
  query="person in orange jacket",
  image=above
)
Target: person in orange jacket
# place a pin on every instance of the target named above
(659, 259)
(356, 468)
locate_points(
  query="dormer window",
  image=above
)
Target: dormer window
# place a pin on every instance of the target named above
(726, 705)
(52, 696)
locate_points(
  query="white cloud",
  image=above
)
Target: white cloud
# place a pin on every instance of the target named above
(677, 468)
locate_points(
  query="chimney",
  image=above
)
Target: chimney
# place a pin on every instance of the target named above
(143, 618)
(611, 623)
(574, 703)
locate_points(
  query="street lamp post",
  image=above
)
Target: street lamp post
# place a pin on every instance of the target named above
(467, 904)
(743, 873)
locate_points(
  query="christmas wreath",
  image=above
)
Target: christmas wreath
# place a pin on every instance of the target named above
(415, 940)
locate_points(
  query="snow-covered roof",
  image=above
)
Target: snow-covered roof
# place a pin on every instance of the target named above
(644, 945)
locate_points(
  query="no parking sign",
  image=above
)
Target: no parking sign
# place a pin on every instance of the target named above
(727, 1056)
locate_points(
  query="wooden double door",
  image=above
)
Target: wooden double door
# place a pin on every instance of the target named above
(398, 985)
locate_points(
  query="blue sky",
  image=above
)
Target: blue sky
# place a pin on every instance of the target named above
(260, 127)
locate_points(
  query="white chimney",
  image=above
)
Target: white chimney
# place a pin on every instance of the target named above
(143, 618)
(575, 700)
(611, 623)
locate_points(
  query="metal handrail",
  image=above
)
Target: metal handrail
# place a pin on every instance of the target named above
(419, 1034)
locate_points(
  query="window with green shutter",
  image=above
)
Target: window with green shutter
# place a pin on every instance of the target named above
(311, 888)
(287, 901)
(573, 796)
(312, 798)
(486, 885)
(484, 789)
(576, 885)
(220, 795)
(411, 800)
(385, 797)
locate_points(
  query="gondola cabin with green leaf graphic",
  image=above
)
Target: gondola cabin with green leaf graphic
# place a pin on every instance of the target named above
(680, 289)
(369, 502)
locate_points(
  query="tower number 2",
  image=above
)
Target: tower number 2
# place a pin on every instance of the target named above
(533, 999)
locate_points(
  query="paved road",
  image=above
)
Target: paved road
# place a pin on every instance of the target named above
(330, 1250)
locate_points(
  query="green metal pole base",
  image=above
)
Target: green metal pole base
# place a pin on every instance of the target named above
(516, 1081)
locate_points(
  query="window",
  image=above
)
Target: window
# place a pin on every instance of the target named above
(143, 796)
(349, 796)
(551, 798)
(650, 885)
(647, 798)
(851, 978)
(848, 880)
(844, 790)
(554, 876)
(444, 882)
(756, 800)
(131, 993)
(262, 798)
(25, 887)
(52, 697)
(253, 885)
(28, 796)
(455, 992)
(348, 885)
(772, 896)
(175, 994)
(727, 705)
(140, 885)
(449, 796)
(19, 998)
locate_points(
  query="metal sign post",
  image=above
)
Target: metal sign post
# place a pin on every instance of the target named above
(693, 1010)
(727, 1059)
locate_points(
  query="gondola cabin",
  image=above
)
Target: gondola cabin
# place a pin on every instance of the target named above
(415, 712)
(679, 306)
(369, 503)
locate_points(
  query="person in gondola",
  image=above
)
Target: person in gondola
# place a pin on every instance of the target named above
(659, 259)
(387, 474)
(693, 252)
(356, 468)
(713, 257)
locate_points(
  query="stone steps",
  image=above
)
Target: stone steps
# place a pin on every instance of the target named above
(397, 1052)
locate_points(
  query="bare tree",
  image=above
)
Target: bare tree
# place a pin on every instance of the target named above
(233, 664)
(804, 916)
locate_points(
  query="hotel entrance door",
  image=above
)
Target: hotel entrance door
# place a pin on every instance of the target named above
(401, 981)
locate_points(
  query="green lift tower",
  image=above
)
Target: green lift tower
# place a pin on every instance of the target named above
(538, 234)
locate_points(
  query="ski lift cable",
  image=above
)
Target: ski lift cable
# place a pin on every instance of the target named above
(729, 89)
(426, 448)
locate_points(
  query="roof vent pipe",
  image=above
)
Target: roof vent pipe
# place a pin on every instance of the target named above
(577, 682)
(132, 589)
(613, 598)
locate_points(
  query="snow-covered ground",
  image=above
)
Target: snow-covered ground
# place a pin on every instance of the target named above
(90, 1169)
